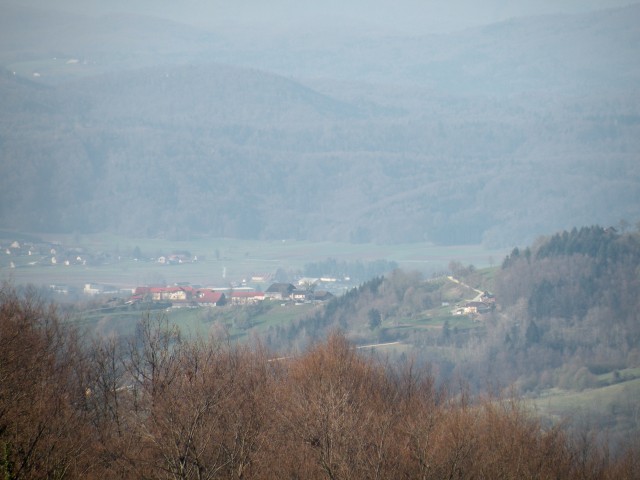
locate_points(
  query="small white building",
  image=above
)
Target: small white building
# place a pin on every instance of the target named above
(92, 289)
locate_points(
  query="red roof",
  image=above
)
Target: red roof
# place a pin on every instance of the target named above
(208, 296)
(202, 295)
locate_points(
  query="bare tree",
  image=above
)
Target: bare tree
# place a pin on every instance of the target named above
(42, 432)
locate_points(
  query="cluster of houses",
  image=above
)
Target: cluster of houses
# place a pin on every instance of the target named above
(176, 259)
(183, 295)
(17, 254)
(57, 254)
(484, 304)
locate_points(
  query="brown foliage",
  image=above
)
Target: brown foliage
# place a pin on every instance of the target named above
(339, 410)
(43, 430)
(160, 407)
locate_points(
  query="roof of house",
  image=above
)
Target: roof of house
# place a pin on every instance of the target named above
(322, 295)
(281, 288)
(146, 290)
(475, 304)
(208, 296)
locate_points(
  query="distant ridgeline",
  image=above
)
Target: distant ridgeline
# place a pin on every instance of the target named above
(134, 128)
(605, 245)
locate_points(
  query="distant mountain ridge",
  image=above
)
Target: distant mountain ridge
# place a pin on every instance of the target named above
(450, 138)
(211, 91)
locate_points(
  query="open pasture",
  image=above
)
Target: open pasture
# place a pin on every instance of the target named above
(220, 261)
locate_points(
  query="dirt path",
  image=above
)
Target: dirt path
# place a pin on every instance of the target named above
(477, 298)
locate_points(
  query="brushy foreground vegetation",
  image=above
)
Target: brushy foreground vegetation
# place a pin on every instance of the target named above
(157, 406)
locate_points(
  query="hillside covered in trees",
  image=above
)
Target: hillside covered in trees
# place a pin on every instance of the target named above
(148, 127)
(572, 302)
(565, 317)
(158, 406)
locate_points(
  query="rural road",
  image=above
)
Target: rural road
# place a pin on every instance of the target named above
(477, 298)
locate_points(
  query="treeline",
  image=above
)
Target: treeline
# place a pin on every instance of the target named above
(157, 406)
(605, 245)
(582, 279)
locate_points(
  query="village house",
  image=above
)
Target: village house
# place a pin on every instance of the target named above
(261, 277)
(486, 305)
(476, 307)
(209, 298)
(99, 289)
(306, 281)
(92, 289)
(300, 295)
(181, 294)
(322, 296)
(279, 291)
(61, 289)
(246, 297)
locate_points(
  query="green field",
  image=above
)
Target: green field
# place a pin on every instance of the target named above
(220, 260)
(238, 323)
(613, 410)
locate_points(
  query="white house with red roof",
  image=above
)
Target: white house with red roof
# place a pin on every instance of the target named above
(180, 295)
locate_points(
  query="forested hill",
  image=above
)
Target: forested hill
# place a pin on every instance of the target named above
(152, 128)
(159, 406)
(566, 310)
(579, 294)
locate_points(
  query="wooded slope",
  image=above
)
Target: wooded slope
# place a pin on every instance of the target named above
(157, 406)
(151, 128)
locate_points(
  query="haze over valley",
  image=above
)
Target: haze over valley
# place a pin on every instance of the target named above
(298, 240)
(144, 126)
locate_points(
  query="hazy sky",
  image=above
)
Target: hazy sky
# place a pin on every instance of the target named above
(411, 16)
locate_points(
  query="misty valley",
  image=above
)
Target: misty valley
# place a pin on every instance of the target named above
(456, 140)
(554, 324)
(319, 241)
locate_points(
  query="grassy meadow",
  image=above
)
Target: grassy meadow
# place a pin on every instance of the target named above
(221, 261)
(610, 407)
